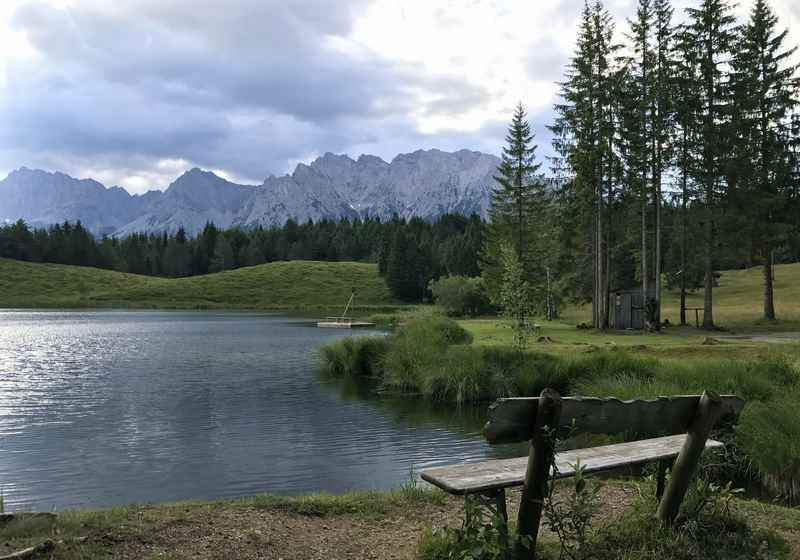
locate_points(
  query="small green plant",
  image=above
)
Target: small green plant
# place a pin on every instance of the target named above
(515, 297)
(569, 514)
(711, 496)
(484, 535)
(2, 502)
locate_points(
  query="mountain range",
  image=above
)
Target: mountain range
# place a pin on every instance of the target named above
(425, 183)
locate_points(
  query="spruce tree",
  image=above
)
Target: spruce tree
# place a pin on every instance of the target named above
(710, 33)
(585, 137)
(663, 125)
(517, 210)
(686, 125)
(764, 84)
(639, 130)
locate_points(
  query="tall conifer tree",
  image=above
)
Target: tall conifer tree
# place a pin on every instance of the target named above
(764, 84)
(710, 31)
(585, 137)
(517, 211)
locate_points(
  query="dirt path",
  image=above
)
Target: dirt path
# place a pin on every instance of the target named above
(773, 338)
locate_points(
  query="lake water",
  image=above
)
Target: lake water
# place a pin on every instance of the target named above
(102, 408)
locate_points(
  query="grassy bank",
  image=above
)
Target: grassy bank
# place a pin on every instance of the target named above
(437, 359)
(278, 285)
(403, 524)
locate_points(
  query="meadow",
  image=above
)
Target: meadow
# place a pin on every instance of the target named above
(293, 285)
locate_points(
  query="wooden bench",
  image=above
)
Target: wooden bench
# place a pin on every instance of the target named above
(681, 423)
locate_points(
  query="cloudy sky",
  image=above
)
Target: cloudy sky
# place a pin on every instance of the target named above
(134, 92)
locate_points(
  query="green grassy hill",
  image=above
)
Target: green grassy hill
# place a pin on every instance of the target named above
(279, 285)
(739, 299)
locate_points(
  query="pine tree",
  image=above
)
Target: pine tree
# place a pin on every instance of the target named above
(663, 125)
(710, 34)
(517, 209)
(764, 84)
(585, 134)
(639, 131)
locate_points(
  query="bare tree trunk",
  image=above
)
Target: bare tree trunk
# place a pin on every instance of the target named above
(769, 303)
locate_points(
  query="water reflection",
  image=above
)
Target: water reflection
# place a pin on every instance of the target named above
(100, 408)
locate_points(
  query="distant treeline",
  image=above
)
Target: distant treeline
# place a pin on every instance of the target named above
(409, 252)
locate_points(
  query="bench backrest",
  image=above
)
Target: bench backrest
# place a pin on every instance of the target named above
(513, 420)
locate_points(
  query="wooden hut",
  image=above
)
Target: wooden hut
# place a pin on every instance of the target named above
(628, 308)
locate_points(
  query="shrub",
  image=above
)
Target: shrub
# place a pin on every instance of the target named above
(417, 349)
(354, 357)
(770, 436)
(460, 296)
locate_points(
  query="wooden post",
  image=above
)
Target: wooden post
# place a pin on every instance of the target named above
(661, 477)
(708, 410)
(537, 475)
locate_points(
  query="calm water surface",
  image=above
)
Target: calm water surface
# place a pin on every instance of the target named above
(102, 408)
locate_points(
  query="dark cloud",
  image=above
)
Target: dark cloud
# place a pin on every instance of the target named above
(246, 86)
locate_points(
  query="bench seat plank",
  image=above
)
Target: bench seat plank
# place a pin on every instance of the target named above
(472, 478)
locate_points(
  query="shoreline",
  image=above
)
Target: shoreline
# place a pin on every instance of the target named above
(356, 525)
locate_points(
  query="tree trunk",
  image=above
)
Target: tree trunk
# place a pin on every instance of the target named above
(657, 269)
(684, 202)
(708, 303)
(644, 253)
(769, 304)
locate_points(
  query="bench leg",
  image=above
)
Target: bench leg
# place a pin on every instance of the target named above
(708, 410)
(661, 478)
(495, 502)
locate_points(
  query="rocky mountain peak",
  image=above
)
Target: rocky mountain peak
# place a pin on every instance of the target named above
(425, 183)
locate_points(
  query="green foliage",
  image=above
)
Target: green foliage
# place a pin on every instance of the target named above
(515, 294)
(484, 535)
(716, 533)
(357, 357)
(418, 348)
(517, 216)
(570, 515)
(424, 250)
(460, 296)
(770, 436)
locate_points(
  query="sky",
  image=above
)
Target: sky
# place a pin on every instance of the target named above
(135, 92)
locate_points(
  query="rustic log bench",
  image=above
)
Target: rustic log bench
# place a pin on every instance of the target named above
(681, 423)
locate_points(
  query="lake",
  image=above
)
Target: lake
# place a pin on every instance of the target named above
(112, 407)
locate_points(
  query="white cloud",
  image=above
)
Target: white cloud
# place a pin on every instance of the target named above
(134, 92)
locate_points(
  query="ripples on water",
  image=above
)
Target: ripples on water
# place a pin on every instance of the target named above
(101, 408)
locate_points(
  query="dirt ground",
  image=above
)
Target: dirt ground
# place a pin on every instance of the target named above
(220, 531)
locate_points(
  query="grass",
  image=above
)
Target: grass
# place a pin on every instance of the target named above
(275, 526)
(722, 529)
(125, 531)
(278, 285)
(738, 301)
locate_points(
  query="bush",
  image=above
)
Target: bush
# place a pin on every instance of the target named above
(419, 348)
(769, 433)
(354, 357)
(460, 296)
